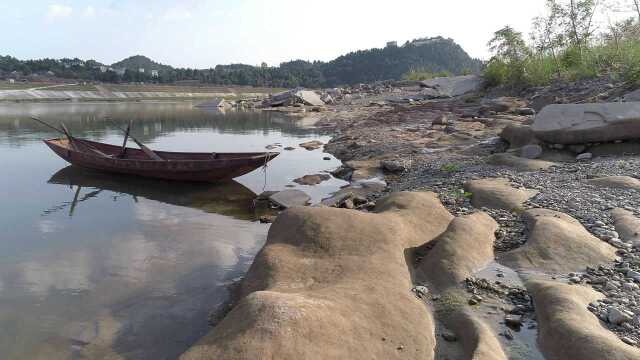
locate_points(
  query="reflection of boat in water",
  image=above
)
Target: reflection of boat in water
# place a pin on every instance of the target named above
(226, 198)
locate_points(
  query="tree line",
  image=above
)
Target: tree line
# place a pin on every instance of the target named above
(433, 55)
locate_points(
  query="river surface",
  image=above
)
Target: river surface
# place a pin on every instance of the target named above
(97, 266)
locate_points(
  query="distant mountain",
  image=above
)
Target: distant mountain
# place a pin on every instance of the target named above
(140, 62)
(389, 63)
(428, 54)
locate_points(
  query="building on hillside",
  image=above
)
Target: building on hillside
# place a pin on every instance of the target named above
(121, 71)
(154, 73)
(141, 70)
(12, 81)
(392, 44)
(103, 68)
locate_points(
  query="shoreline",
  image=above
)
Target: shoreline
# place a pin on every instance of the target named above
(458, 150)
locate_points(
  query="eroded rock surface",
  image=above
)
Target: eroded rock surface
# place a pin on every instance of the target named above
(518, 163)
(627, 226)
(497, 194)
(557, 243)
(617, 182)
(568, 330)
(334, 284)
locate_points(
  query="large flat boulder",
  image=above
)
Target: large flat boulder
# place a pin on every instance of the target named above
(334, 284)
(454, 85)
(588, 123)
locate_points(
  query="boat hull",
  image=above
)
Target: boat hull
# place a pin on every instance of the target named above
(177, 166)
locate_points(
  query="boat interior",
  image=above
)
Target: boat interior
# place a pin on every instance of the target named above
(128, 153)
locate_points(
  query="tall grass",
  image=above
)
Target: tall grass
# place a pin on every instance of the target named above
(422, 74)
(618, 59)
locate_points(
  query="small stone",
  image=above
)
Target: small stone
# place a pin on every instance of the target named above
(475, 300)
(392, 166)
(584, 157)
(508, 334)
(575, 279)
(531, 151)
(449, 336)
(267, 219)
(629, 341)
(513, 321)
(421, 291)
(616, 316)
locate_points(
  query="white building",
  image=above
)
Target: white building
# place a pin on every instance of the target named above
(141, 70)
(154, 73)
(103, 68)
(392, 44)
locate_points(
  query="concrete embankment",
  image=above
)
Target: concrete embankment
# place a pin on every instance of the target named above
(74, 95)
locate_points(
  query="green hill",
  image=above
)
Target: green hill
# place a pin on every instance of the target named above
(140, 62)
(428, 54)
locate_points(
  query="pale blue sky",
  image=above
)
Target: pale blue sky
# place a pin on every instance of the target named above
(204, 33)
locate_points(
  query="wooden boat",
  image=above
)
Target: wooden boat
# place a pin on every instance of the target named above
(183, 166)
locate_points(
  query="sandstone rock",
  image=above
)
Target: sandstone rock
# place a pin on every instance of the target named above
(503, 104)
(518, 135)
(588, 123)
(627, 225)
(312, 145)
(568, 330)
(330, 284)
(392, 166)
(616, 182)
(632, 96)
(584, 157)
(557, 243)
(465, 247)
(290, 198)
(609, 149)
(525, 111)
(442, 119)
(455, 85)
(616, 316)
(312, 179)
(531, 151)
(364, 169)
(518, 163)
(497, 194)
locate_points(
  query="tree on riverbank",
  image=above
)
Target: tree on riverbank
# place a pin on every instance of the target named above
(566, 45)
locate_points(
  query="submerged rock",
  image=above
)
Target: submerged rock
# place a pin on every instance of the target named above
(312, 179)
(290, 198)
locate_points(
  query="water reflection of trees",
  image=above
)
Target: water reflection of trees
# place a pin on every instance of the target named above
(151, 120)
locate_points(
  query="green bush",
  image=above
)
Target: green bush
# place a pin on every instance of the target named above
(421, 74)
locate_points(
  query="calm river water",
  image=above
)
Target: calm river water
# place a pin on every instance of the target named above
(133, 267)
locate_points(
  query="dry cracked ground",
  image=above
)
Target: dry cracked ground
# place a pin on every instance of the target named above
(489, 241)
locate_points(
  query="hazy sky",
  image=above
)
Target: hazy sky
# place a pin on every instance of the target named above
(204, 33)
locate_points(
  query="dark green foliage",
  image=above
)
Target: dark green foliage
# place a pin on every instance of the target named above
(434, 55)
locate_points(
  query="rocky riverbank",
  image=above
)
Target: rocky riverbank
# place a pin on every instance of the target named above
(506, 229)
